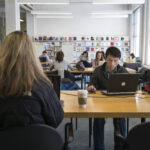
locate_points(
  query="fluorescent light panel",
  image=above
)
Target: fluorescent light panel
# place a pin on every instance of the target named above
(109, 16)
(50, 13)
(54, 17)
(21, 20)
(44, 2)
(118, 1)
(112, 12)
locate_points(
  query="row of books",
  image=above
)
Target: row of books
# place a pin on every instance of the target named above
(120, 43)
(82, 38)
(125, 53)
(95, 49)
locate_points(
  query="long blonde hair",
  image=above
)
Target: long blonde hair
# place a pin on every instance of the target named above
(19, 65)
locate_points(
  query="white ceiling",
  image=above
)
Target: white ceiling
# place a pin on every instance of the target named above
(84, 6)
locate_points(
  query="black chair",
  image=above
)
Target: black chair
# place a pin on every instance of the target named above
(134, 66)
(138, 138)
(32, 137)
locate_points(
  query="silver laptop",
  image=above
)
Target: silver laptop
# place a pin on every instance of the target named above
(122, 84)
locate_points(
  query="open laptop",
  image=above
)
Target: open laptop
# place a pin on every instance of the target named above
(42, 59)
(122, 84)
(55, 79)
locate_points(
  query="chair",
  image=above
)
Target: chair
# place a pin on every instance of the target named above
(32, 137)
(134, 66)
(138, 138)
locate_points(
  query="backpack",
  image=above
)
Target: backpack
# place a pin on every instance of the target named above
(86, 64)
(80, 66)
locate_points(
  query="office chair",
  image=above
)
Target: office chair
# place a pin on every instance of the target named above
(138, 138)
(32, 137)
(134, 66)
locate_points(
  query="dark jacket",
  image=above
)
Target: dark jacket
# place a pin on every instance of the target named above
(42, 107)
(99, 78)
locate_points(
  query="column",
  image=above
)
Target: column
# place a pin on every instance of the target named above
(30, 24)
(12, 12)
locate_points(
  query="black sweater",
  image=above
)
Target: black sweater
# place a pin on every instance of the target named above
(42, 107)
(99, 77)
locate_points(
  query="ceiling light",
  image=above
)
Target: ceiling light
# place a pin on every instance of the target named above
(50, 13)
(119, 12)
(118, 1)
(54, 17)
(110, 16)
(44, 2)
(21, 20)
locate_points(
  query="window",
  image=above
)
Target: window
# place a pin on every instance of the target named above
(136, 32)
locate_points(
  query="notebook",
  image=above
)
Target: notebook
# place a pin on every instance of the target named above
(122, 84)
(55, 79)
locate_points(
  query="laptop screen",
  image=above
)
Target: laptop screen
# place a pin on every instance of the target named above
(55, 79)
(122, 82)
(42, 59)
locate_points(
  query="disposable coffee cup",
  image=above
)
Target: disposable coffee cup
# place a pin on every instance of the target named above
(82, 98)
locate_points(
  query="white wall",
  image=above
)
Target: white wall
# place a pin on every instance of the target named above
(82, 23)
(83, 26)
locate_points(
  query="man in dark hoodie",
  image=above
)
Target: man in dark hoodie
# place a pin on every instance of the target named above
(99, 81)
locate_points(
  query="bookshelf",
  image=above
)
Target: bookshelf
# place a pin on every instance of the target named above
(92, 44)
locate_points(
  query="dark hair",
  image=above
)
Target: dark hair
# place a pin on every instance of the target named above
(59, 56)
(85, 52)
(113, 51)
(102, 57)
(133, 56)
(44, 51)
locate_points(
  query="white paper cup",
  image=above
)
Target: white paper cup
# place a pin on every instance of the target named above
(82, 98)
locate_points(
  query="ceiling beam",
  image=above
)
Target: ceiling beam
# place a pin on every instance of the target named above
(118, 1)
(60, 2)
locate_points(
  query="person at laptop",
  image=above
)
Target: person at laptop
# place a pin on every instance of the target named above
(99, 81)
(44, 57)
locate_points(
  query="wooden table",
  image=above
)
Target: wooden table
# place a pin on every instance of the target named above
(131, 70)
(90, 70)
(42, 63)
(101, 106)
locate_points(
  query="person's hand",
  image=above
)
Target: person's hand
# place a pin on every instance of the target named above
(91, 87)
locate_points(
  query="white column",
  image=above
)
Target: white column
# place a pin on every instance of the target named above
(146, 27)
(12, 12)
(30, 24)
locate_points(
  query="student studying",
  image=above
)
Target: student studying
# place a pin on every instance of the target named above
(99, 81)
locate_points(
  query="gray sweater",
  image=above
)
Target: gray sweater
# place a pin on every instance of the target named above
(64, 65)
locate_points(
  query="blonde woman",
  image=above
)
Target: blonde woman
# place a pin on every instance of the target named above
(26, 94)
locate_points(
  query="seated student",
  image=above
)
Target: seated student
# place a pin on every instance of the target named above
(61, 65)
(44, 57)
(132, 58)
(84, 58)
(99, 81)
(26, 94)
(99, 57)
